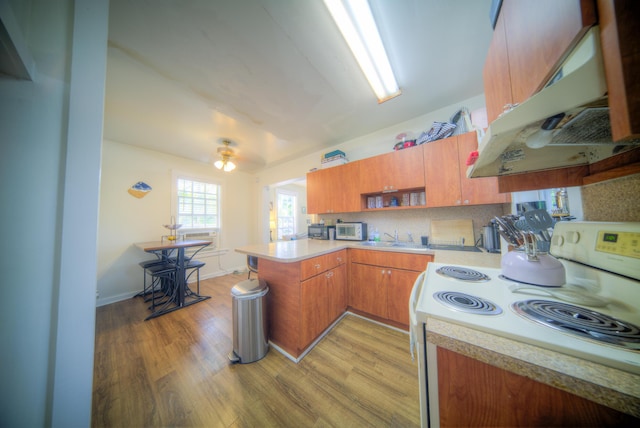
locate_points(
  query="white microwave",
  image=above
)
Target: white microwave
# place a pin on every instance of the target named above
(351, 231)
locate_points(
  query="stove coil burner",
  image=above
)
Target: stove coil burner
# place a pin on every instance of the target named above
(462, 273)
(467, 303)
(581, 322)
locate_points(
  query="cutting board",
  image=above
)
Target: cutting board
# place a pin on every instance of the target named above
(450, 231)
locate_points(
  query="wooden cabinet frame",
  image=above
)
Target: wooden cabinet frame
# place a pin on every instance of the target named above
(445, 175)
(304, 298)
(380, 283)
(529, 44)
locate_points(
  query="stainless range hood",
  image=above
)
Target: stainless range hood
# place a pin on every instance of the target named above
(565, 124)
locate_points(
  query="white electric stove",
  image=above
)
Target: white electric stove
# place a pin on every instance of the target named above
(595, 315)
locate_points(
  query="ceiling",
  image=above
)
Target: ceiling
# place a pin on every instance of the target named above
(275, 77)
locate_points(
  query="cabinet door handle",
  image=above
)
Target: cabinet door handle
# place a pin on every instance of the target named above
(317, 266)
(339, 259)
(329, 274)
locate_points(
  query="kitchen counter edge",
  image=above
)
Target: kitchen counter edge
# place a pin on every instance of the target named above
(297, 250)
(292, 251)
(605, 385)
(301, 249)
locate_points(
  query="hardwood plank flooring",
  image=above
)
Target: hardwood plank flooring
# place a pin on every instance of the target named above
(173, 371)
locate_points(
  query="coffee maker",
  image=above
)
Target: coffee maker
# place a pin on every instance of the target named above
(491, 237)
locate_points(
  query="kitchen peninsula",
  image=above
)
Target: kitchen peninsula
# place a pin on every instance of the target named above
(314, 282)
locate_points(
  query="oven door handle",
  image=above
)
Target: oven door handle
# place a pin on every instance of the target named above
(413, 320)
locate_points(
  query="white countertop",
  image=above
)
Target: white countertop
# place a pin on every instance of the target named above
(467, 258)
(294, 251)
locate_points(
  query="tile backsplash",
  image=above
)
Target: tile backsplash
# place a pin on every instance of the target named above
(418, 221)
(613, 200)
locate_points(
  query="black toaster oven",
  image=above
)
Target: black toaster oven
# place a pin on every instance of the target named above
(320, 231)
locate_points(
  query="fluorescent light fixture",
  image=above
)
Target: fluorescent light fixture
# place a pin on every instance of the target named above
(356, 23)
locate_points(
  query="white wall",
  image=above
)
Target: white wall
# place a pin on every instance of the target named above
(125, 220)
(50, 136)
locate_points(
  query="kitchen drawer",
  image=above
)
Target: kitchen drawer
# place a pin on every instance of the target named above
(391, 259)
(317, 265)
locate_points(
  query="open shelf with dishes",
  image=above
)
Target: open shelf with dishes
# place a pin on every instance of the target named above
(394, 200)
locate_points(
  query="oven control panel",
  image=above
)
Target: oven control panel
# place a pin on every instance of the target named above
(621, 243)
(614, 247)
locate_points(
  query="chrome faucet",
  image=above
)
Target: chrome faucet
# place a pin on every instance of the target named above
(395, 238)
(410, 237)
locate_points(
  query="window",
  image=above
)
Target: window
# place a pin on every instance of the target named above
(198, 204)
(287, 202)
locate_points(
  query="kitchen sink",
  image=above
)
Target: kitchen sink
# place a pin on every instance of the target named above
(386, 244)
(455, 248)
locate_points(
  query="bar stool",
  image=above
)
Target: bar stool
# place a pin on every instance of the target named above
(162, 284)
(194, 266)
(146, 266)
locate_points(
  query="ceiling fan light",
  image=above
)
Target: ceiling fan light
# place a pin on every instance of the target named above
(226, 154)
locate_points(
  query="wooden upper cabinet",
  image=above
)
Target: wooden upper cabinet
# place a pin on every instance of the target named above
(334, 190)
(539, 34)
(495, 75)
(442, 173)
(618, 21)
(408, 168)
(476, 191)
(398, 170)
(530, 41)
(446, 179)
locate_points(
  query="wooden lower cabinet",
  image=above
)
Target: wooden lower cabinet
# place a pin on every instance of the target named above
(473, 393)
(322, 300)
(398, 291)
(304, 298)
(368, 289)
(380, 283)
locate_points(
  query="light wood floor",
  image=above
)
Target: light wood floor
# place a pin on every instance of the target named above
(174, 371)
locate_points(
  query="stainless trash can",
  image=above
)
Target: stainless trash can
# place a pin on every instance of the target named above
(249, 310)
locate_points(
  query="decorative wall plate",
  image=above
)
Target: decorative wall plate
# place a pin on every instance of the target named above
(139, 190)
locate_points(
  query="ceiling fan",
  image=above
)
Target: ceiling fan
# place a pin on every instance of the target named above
(225, 162)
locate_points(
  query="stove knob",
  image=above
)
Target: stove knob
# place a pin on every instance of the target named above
(573, 237)
(557, 240)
